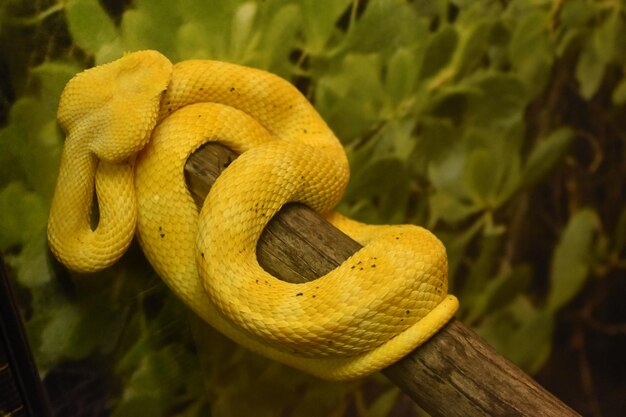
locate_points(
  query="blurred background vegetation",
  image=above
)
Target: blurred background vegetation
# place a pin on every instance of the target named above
(501, 125)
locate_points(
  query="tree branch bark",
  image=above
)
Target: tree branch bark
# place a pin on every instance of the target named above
(453, 374)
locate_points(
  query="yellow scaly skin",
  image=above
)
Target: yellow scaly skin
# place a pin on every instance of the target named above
(372, 310)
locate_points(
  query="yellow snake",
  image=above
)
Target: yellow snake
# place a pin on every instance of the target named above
(132, 124)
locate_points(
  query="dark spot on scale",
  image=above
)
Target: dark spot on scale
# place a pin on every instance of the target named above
(408, 312)
(299, 294)
(373, 265)
(305, 131)
(359, 263)
(290, 106)
(361, 268)
(313, 296)
(201, 88)
(162, 235)
(257, 281)
(202, 254)
(330, 342)
(160, 228)
(169, 109)
(232, 89)
(397, 238)
(352, 267)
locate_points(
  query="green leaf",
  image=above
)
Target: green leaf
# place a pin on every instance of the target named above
(100, 327)
(192, 44)
(608, 38)
(89, 24)
(351, 99)
(10, 164)
(577, 13)
(481, 268)
(56, 336)
(507, 287)
(319, 19)
(530, 49)
(52, 77)
(446, 173)
(385, 181)
(474, 41)
(401, 77)
(498, 293)
(434, 139)
(243, 37)
(34, 141)
(395, 139)
(571, 260)
(532, 343)
(383, 405)
(456, 245)
(546, 155)
(521, 333)
(279, 39)
(24, 215)
(449, 208)
(479, 276)
(201, 32)
(480, 180)
(452, 101)
(589, 72)
(500, 104)
(439, 51)
(33, 264)
(619, 93)
(386, 26)
(153, 24)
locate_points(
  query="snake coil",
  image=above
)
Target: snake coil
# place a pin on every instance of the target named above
(132, 124)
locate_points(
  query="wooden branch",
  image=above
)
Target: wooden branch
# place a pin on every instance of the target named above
(455, 373)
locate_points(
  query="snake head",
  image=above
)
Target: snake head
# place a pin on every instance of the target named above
(114, 107)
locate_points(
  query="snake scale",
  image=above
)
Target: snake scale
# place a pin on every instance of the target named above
(131, 125)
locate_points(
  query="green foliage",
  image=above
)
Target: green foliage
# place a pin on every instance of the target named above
(23, 213)
(572, 258)
(455, 114)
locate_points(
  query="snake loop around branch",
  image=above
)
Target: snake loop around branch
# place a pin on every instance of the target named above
(131, 126)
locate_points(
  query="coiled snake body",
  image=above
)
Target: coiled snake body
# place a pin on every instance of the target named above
(131, 126)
